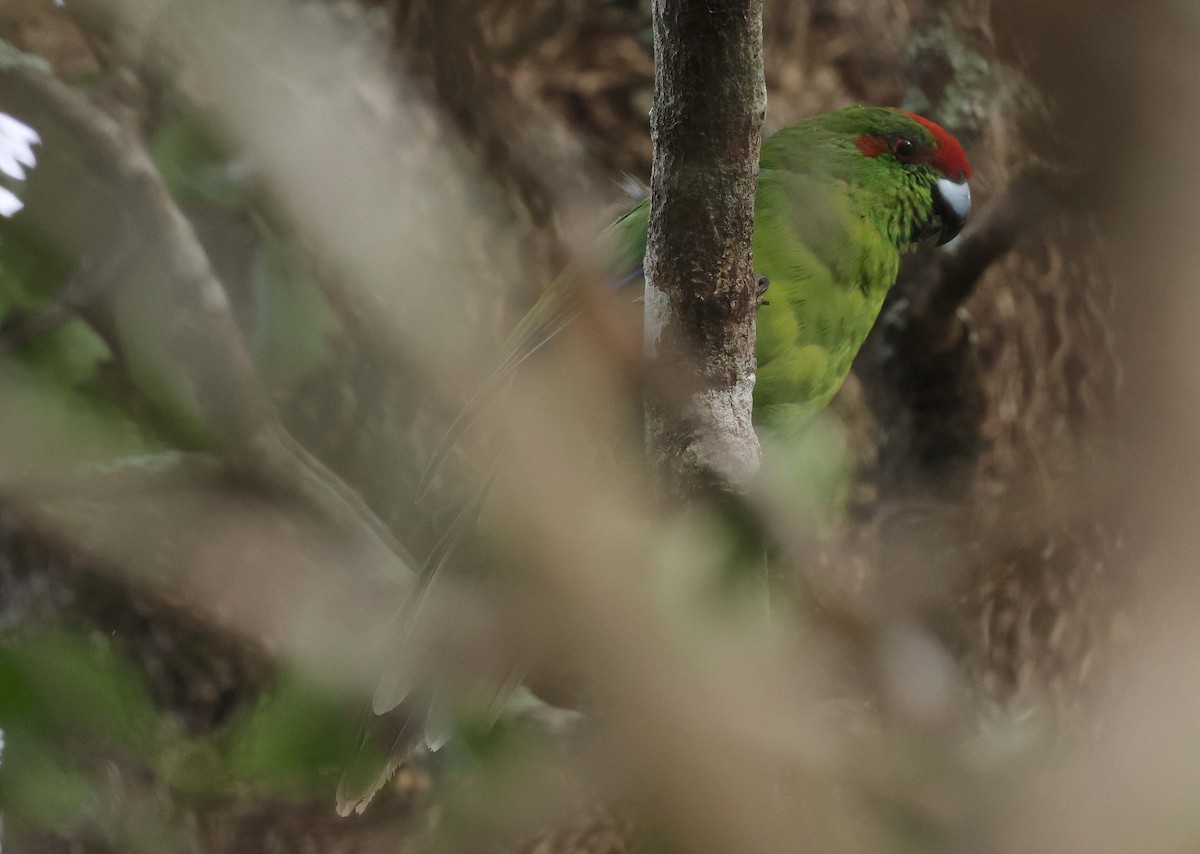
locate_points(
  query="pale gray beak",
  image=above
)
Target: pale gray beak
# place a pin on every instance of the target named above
(952, 204)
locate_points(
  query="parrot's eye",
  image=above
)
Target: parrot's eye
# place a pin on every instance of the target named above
(903, 148)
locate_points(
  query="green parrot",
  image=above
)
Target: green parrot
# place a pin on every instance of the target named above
(841, 196)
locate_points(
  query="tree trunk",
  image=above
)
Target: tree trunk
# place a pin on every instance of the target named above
(706, 126)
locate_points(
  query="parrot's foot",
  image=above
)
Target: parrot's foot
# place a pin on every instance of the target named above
(762, 283)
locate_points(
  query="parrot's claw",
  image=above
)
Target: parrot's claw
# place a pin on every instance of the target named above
(761, 285)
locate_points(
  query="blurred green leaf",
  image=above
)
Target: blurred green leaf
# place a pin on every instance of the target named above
(297, 736)
(60, 693)
(30, 274)
(69, 355)
(38, 790)
(293, 319)
(162, 371)
(811, 471)
(197, 167)
(193, 766)
(46, 425)
(57, 683)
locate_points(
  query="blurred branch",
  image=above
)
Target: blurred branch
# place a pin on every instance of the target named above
(923, 382)
(112, 150)
(180, 527)
(206, 342)
(937, 291)
(62, 579)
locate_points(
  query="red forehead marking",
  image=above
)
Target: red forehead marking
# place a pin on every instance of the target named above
(948, 156)
(871, 146)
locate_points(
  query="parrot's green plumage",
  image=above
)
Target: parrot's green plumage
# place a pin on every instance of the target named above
(840, 197)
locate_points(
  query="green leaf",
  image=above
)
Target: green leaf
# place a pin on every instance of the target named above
(31, 274)
(298, 734)
(196, 166)
(293, 319)
(45, 425)
(37, 789)
(69, 355)
(58, 684)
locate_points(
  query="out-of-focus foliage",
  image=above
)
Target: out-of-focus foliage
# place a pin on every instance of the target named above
(190, 638)
(196, 167)
(296, 739)
(64, 703)
(54, 382)
(82, 733)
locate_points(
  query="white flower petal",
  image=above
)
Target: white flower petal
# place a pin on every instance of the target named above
(17, 130)
(9, 164)
(16, 147)
(24, 155)
(9, 203)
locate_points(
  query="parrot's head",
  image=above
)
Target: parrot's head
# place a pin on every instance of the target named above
(918, 154)
(904, 171)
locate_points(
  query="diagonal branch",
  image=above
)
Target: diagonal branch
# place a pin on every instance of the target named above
(169, 278)
(942, 287)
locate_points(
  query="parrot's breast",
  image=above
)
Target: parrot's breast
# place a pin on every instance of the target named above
(829, 270)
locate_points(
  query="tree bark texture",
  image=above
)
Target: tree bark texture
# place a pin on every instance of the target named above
(706, 127)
